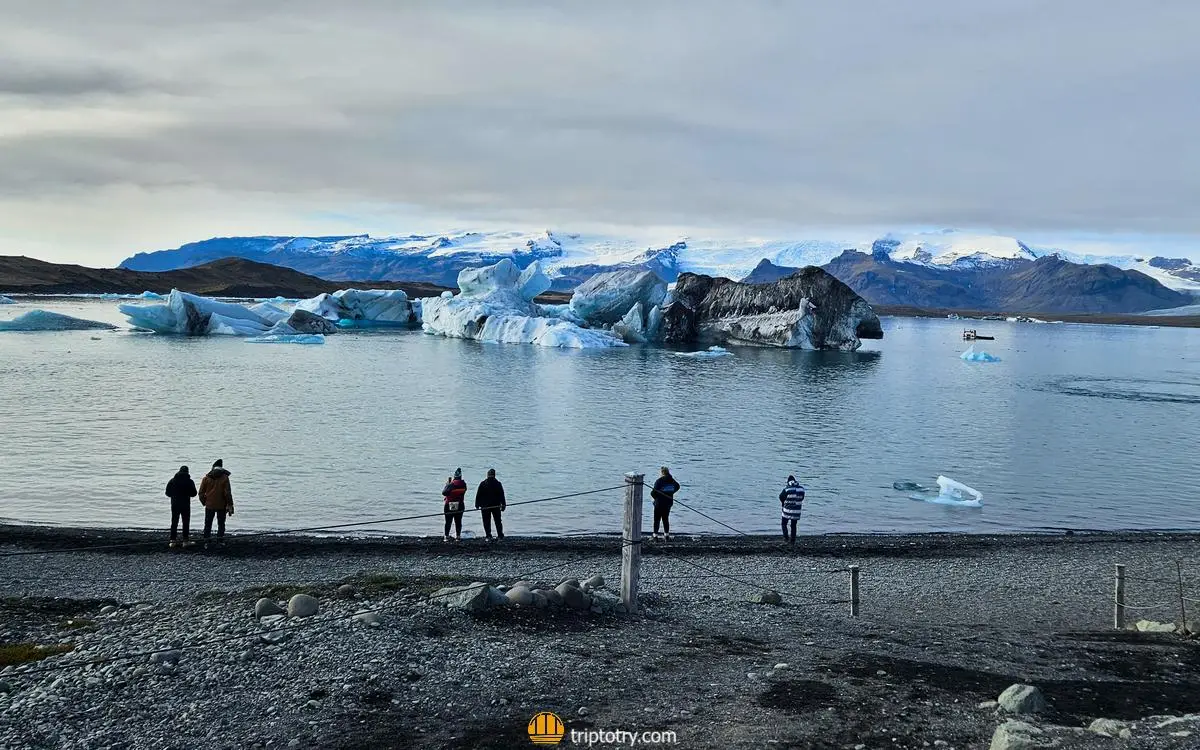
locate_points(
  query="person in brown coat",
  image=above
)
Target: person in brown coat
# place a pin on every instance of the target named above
(217, 497)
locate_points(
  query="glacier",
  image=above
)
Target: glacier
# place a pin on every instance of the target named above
(495, 304)
(44, 320)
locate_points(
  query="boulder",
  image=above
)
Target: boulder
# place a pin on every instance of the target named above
(346, 591)
(520, 595)
(593, 583)
(170, 656)
(539, 599)
(552, 597)
(1150, 626)
(573, 596)
(767, 597)
(1108, 727)
(266, 607)
(1022, 699)
(302, 605)
(1018, 735)
(606, 298)
(474, 597)
(813, 310)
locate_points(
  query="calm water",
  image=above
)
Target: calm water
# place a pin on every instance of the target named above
(1077, 426)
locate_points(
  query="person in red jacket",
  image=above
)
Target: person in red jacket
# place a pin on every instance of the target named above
(454, 496)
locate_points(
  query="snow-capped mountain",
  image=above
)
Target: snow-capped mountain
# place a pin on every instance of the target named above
(572, 257)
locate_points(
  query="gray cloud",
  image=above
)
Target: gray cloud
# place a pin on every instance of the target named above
(1018, 115)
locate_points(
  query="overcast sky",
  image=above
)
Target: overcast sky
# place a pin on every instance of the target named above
(130, 125)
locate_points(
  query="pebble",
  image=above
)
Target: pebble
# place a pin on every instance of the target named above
(781, 665)
(346, 591)
(107, 609)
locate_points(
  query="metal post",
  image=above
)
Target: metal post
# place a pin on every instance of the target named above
(1119, 599)
(631, 541)
(854, 591)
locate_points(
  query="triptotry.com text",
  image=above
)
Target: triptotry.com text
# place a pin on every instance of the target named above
(621, 738)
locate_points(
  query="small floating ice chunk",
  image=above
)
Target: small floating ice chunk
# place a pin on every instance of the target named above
(7, 300)
(970, 355)
(709, 353)
(42, 320)
(951, 492)
(151, 295)
(286, 338)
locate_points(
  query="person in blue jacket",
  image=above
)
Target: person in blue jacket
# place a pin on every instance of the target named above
(792, 502)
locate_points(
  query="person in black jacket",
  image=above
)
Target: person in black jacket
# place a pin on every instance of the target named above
(489, 499)
(181, 489)
(663, 494)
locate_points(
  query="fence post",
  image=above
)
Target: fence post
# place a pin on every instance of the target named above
(854, 591)
(1119, 599)
(631, 541)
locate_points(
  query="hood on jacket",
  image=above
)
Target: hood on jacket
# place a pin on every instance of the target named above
(218, 472)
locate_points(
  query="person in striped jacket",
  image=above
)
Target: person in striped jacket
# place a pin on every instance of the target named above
(792, 502)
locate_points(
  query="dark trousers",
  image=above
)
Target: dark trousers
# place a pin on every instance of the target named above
(208, 519)
(488, 515)
(181, 510)
(456, 519)
(785, 521)
(662, 514)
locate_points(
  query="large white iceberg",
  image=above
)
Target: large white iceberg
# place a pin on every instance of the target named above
(362, 307)
(606, 298)
(496, 304)
(44, 320)
(192, 315)
(6, 300)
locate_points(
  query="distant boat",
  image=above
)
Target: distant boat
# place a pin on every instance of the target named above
(972, 335)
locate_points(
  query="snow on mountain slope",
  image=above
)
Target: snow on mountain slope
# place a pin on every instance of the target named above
(571, 257)
(950, 248)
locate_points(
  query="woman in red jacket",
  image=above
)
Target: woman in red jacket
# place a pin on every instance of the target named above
(454, 503)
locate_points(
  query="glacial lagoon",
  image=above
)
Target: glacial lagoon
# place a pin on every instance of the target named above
(1076, 426)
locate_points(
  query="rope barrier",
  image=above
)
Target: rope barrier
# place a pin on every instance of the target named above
(251, 535)
(307, 625)
(804, 598)
(722, 523)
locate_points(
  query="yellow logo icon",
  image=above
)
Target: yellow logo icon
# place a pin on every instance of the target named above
(546, 728)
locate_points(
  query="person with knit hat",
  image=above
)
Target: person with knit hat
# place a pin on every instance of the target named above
(217, 498)
(454, 503)
(792, 502)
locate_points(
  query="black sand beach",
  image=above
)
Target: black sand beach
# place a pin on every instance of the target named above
(947, 622)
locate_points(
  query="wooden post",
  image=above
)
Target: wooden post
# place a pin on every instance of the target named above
(854, 591)
(1119, 599)
(1183, 621)
(631, 541)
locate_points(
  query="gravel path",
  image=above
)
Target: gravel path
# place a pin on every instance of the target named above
(946, 623)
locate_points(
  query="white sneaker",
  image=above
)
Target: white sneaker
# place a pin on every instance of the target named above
(667, 537)
(446, 538)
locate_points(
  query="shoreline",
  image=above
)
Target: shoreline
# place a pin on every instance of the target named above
(137, 541)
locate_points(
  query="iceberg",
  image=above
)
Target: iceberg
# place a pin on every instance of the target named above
(947, 492)
(7, 300)
(192, 315)
(287, 338)
(43, 320)
(150, 295)
(270, 312)
(606, 298)
(970, 355)
(495, 304)
(363, 308)
(709, 353)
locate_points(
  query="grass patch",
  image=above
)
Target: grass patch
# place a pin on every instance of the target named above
(23, 653)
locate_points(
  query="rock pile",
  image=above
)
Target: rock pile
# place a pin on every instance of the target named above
(570, 594)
